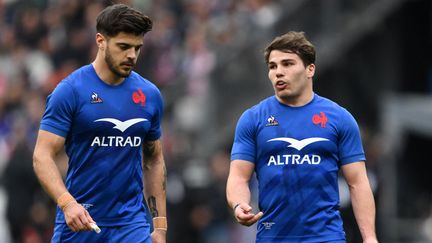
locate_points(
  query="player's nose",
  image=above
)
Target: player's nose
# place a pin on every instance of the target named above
(279, 72)
(131, 54)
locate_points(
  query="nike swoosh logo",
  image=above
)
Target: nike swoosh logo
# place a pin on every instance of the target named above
(298, 144)
(122, 126)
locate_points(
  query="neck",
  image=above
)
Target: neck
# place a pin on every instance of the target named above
(297, 101)
(104, 73)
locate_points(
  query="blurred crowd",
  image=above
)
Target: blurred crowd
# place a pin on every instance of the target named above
(42, 41)
(200, 53)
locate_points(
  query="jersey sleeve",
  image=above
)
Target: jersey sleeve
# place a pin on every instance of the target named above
(350, 145)
(155, 131)
(244, 146)
(60, 107)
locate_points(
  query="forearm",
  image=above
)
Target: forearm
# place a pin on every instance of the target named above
(364, 209)
(155, 187)
(237, 191)
(49, 175)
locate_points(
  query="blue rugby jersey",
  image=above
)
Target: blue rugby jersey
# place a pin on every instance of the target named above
(297, 153)
(105, 127)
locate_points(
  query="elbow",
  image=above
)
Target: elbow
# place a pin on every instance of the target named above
(149, 164)
(352, 187)
(37, 160)
(361, 186)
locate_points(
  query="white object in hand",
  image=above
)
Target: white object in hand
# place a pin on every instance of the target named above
(95, 228)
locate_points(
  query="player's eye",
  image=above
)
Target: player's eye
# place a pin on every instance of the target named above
(271, 66)
(124, 47)
(287, 64)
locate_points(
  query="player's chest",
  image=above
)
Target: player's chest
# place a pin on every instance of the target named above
(289, 134)
(123, 112)
(306, 142)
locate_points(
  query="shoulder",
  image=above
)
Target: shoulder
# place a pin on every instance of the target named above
(327, 103)
(144, 83)
(258, 112)
(149, 90)
(342, 117)
(263, 105)
(78, 77)
(323, 101)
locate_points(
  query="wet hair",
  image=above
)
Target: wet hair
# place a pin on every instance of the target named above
(292, 42)
(122, 18)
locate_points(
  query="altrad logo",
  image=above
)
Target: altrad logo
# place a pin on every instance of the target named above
(118, 141)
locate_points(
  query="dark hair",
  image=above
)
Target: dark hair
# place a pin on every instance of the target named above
(293, 42)
(122, 18)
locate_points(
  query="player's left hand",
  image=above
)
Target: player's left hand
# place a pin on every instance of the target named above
(158, 236)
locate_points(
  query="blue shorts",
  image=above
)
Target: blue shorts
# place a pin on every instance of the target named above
(298, 241)
(136, 233)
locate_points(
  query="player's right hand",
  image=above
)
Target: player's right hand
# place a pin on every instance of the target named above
(243, 214)
(77, 217)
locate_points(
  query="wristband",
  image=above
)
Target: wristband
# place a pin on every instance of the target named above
(64, 200)
(235, 206)
(160, 223)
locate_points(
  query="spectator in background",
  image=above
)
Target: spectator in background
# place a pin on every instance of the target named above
(21, 185)
(211, 216)
(20, 182)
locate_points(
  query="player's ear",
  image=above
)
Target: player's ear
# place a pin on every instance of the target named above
(100, 41)
(310, 70)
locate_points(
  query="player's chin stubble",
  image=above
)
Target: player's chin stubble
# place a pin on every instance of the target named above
(110, 62)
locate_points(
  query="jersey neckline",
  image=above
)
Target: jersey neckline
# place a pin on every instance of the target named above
(314, 98)
(93, 71)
